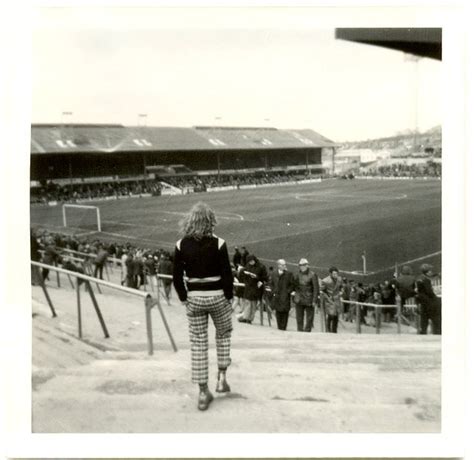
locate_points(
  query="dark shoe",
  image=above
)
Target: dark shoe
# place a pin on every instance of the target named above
(205, 398)
(222, 386)
(242, 320)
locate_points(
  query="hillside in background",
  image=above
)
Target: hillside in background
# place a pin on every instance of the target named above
(405, 143)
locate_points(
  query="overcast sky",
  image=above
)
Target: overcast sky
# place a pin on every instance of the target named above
(234, 76)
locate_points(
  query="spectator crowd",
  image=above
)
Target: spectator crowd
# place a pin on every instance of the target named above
(428, 169)
(197, 183)
(271, 289)
(67, 193)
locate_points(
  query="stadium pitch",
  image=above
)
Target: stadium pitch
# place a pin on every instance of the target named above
(333, 222)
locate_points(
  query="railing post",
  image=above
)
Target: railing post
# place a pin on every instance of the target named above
(150, 281)
(97, 309)
(418, 318)
(70, 280)
(158, 282)
(46, 294)
(149, 329)
(88, 271)
(79, 312)
(322, 312)
(158, 304)
(358, 328)
(269, 312)
(378, 318)
(399, 314)
(57, 277)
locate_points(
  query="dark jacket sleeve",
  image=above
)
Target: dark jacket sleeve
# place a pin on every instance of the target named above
(178, 276)
(226, 272)
(291, 283)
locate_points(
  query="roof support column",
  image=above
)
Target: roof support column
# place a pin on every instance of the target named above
(70, 172)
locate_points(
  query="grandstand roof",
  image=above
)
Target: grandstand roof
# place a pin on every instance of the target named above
(81, 138)
(423, 42)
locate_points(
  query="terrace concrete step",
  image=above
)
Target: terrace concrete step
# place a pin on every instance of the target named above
(281, 381)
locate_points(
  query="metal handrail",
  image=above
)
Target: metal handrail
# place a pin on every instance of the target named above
(150, 302)
(377, 308)
(90, 255)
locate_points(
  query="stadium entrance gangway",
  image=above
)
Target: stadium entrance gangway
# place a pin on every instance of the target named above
(149, 302)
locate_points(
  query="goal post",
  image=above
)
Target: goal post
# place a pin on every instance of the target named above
(85, 208)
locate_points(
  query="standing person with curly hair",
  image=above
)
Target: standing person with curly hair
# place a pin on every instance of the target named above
(202, 257)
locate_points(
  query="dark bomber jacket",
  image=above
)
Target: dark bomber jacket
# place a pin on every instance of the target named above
(205, 263)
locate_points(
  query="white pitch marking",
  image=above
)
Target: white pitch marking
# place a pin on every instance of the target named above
(220, 216)
(312, 230)
(316, 197)
(120, 235)
(86, 233)
(116, 222)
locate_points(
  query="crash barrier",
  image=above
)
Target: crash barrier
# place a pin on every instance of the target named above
(86, 260)
(154, 283)
(149, 301)
(377, 308)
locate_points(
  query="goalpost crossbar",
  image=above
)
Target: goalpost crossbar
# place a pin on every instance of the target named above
(82, 206)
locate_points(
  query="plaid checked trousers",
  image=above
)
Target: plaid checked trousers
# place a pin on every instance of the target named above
(198, 311)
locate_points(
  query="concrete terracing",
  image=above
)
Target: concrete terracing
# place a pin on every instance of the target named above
(281, 381)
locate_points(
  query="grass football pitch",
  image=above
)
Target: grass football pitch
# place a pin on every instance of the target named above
(329, 223)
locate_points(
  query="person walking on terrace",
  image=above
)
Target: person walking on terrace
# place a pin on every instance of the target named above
(202, 257)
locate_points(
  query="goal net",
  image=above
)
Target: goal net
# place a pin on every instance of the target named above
(81, 216)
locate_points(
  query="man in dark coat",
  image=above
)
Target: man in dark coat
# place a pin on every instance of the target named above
(138, 270)
(165, 267)
(131, 282)
(243, 256)
(253, 277)
(405, 284)
(237, 258)
(50, 257)
(35, 256)
(100, 261)
(430, 303)
(331, 292)
(282, 285)
(306, 296)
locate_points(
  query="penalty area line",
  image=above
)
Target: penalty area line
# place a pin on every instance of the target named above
(136, 238)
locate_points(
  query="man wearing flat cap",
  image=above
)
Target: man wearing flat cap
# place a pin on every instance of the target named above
(306, 296)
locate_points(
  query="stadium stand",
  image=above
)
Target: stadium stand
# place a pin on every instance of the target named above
(72, 153)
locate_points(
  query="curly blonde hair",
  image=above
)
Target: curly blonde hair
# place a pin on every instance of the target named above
(199, 222)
